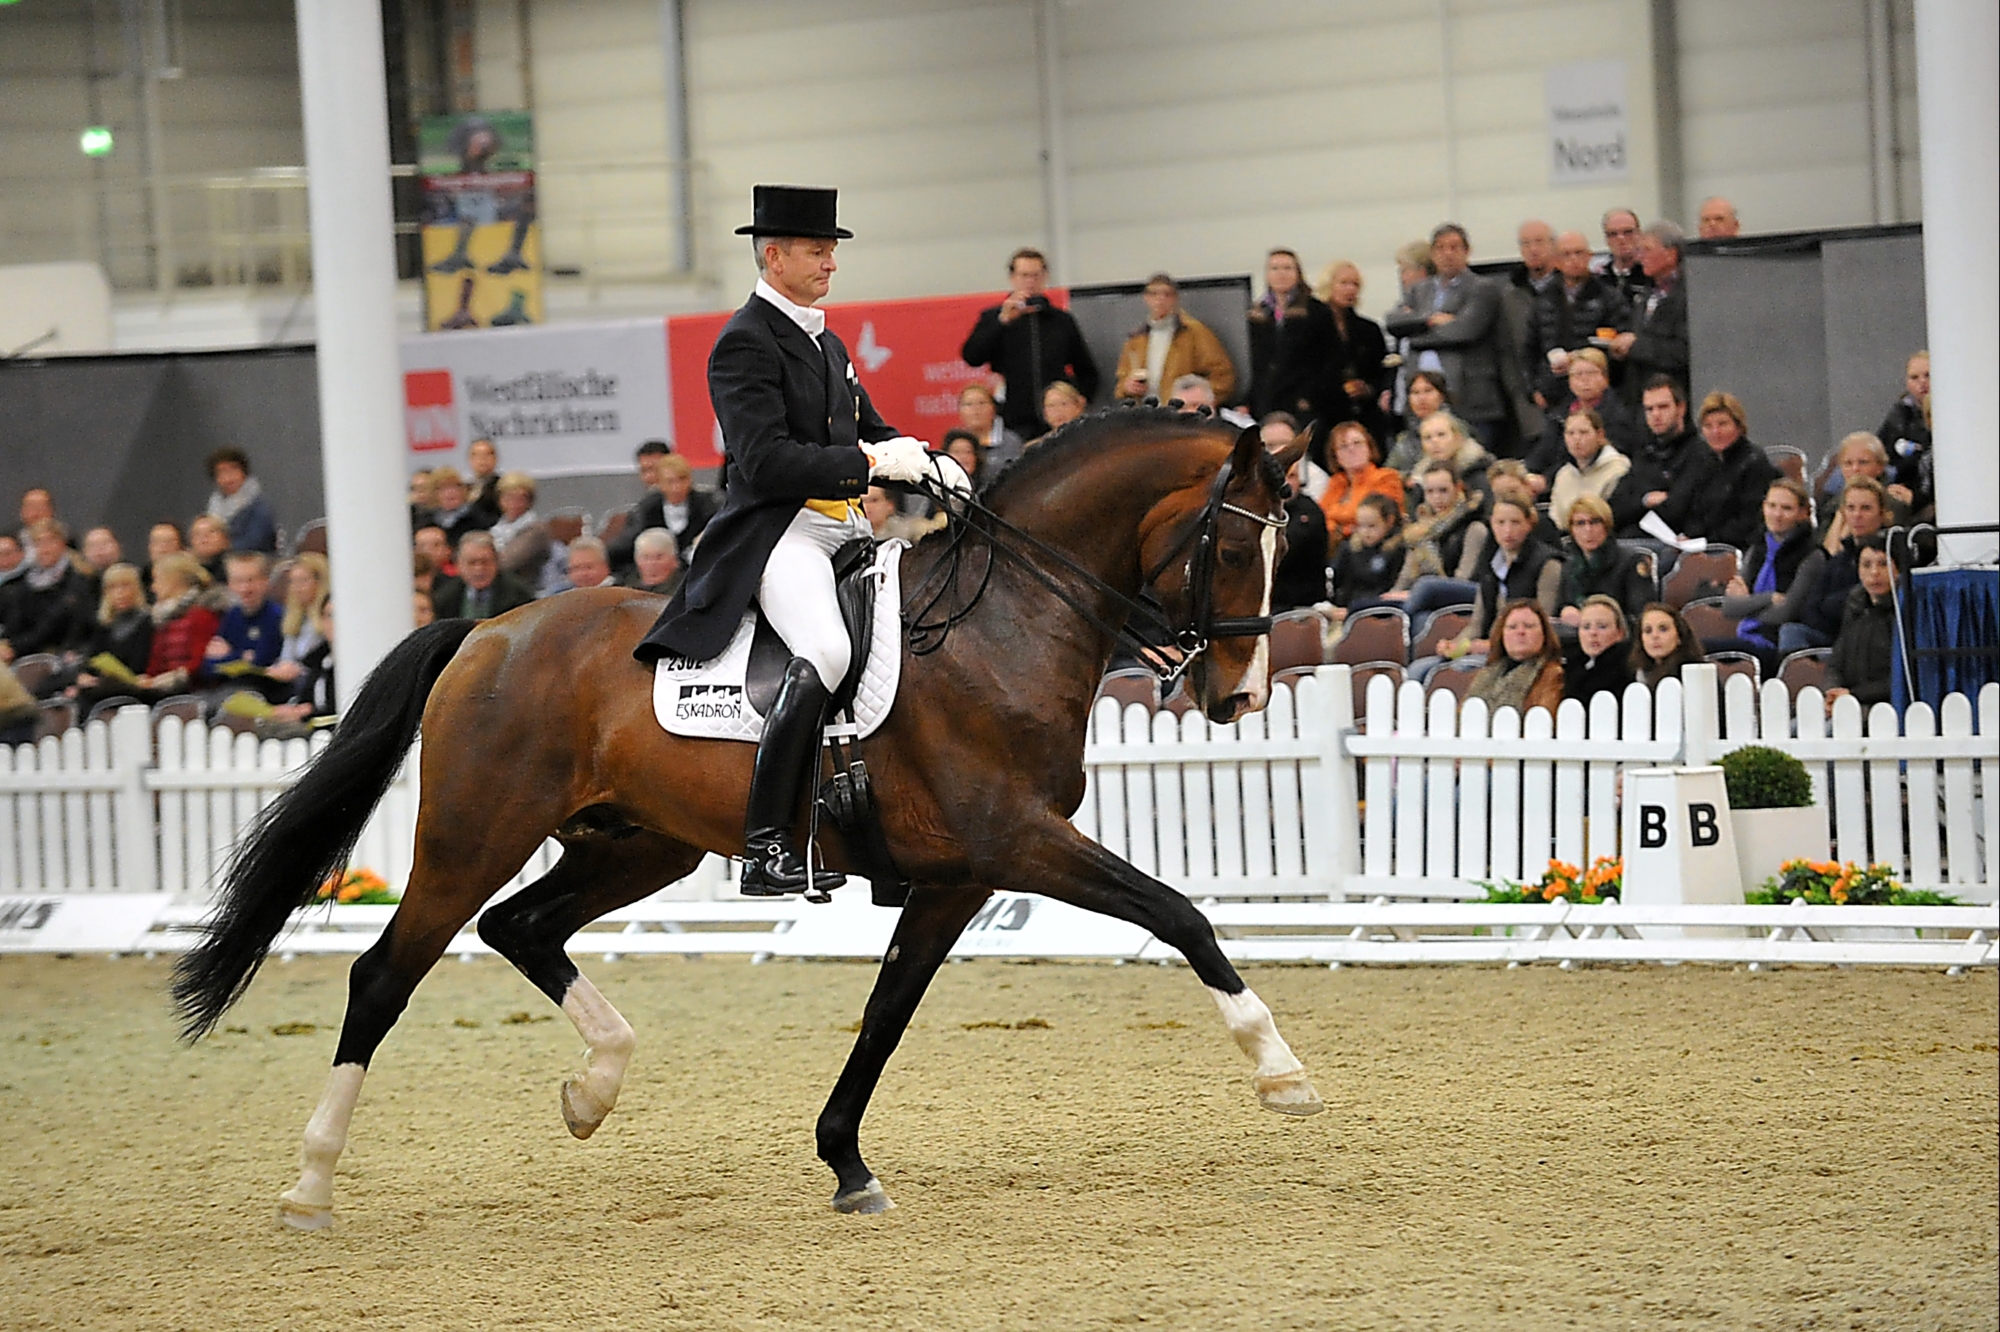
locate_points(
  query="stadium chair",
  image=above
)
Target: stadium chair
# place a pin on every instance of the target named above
(612, 524)
(34, 670)
(58, 715)
(1790, 461)
(1443, 624)
(1735, 663)
(566, 525)
(1380, 633)
(1453, 676)
(1131, 686)
(1367, 671)
(312, 538)
(1805, 667)
(1298, 638)
(1705, 617)
(108, 708)
(1700, 574)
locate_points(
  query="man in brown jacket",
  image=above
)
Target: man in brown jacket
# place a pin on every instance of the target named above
(1172, 343)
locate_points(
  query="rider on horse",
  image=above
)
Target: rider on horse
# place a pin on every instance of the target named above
(801, 444)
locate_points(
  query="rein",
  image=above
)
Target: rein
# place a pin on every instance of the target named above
(1190, 638)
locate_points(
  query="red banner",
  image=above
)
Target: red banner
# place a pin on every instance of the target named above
(906, 353)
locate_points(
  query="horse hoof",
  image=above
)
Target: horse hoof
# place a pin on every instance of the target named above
(1289, 1094)
(580, 1110)
(303, 1216)
(868, 1200)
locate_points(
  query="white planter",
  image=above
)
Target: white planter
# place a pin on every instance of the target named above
(1767, 838)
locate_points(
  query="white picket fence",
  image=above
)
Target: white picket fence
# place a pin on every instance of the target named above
(1297, 807)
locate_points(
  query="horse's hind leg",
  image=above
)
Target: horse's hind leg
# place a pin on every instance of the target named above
(599, 871)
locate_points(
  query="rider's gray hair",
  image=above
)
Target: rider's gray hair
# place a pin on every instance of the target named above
(655, 541)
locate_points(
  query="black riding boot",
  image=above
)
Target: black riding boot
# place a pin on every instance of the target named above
(791, 738)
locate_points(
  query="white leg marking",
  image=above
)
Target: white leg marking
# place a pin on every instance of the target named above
(308, 1205)
(1281, 1081)
(589, 1097)
(1256, 680)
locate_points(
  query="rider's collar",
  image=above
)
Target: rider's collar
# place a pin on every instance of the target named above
(811, 320)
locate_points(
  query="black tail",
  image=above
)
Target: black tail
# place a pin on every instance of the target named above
(309, 832)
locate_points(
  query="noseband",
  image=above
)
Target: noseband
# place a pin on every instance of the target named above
(1143, 628)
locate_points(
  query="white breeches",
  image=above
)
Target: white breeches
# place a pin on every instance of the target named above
(797, 596)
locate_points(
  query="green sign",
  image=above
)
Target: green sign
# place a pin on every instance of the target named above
(95, 140)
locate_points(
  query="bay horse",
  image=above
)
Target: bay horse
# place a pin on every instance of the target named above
(540, 724)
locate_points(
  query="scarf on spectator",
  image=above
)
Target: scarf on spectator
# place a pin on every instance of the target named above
(41, 579)
(166, 612)
(226, 507)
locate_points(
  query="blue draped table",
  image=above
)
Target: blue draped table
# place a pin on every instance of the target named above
(1954, 618)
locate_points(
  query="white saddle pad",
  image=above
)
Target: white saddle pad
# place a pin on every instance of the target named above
(706, 700)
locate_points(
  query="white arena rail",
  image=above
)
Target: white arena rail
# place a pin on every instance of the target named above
(1302, 833)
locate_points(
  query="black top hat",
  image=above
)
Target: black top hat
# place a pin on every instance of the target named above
(794, 210)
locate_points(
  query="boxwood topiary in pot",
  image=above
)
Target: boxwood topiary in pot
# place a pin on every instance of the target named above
(1771, 806)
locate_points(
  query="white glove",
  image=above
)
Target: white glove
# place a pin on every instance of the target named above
(903, 458)
(950, 475)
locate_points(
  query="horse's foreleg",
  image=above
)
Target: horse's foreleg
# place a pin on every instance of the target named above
(598, 872)
(1071, 868)
(930, 924)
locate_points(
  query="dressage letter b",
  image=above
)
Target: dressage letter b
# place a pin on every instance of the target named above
(1702, 826)
(1652, 826)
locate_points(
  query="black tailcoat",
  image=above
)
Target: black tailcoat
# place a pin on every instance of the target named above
(791, 414)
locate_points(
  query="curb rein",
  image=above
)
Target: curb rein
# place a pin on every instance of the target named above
(1191, 639)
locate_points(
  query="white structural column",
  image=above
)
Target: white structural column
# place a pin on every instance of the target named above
(342, 86)
(1958, 104)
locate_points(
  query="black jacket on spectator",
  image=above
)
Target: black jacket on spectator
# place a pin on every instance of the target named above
(449, 597)
(1720, 496)
(651, 511)
(1300, 579)
(1569, 320)
(1291, 360)
(1584, 677)
(1827, 593)
(1041, 345)
(1864, 652)
(1660, 344)
(1363, 573)
(1625, 575)
(53, 618)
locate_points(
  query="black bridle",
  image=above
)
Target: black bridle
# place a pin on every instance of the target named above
(1141, 627)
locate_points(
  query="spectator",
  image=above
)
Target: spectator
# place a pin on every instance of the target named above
(250, 634)
(1665, 645)
(1031, 344)
(1862, 454)
(481, 591)
(1667, 447)
(519, 533)
(1443, 540)
(1906, 435)
(1525, 668)
(305, 584)
(1717, 219)
(656, 560)
(431, 542)
(1827, 575)
(1453, 324)
(1598, 662)
(455, 513)
(1863, 653)
(483, 486)
(1300, 579)
(1062, 403)
(1171, 343)
(1580, 310)
(238, 501)
(1291, 345)
(673, 504)
(1443, 438)
(123, 632)
(1720, 493)
(1360, 381)
(1594, 468)
(1589, 385)
(1357, 474)
(1657, 343)
(1515, 564)
(1595, 565)
(1368, 562)
(52, 609)
(37, 507)
(311, 695)
(1759, 596)
(1426, 396)
(423, 499)
(1622, 266)
(208, 542)
(978, 413)
(587, 565)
